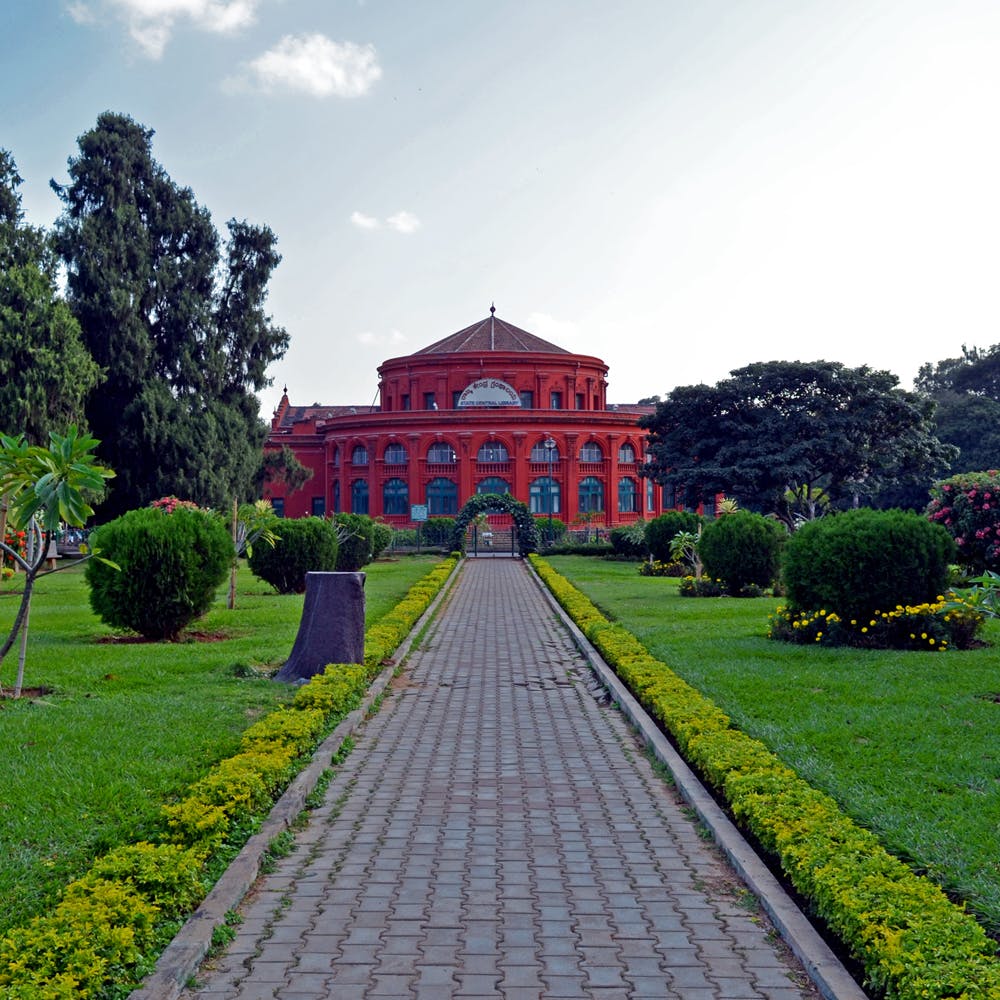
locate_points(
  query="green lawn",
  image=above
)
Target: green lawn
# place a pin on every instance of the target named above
(908, 743)
(127, 725)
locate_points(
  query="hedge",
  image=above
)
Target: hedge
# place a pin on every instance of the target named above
(912, 941)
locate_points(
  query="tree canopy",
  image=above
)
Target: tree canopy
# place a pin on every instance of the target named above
(967, 393)
(175, 317)
(45, 370)
(777, 433)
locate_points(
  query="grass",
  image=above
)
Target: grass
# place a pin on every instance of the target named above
(906, 742)
(128, 725)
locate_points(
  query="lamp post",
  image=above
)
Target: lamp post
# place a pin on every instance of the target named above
(550, 447)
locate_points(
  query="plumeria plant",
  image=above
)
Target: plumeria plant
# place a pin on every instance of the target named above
(44, 487)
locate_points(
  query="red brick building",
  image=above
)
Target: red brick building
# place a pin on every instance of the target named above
(490, 409)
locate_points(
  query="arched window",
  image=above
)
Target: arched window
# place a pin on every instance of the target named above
(492, 451)
(591, 495)
(650, 496)
(359, 496)
(493, 484)
(336, 496)
(539, 453)
(543, 496)
(628, 496)
(442, 497)
(626, 453)
(395, 497)
(359, 455)
(335, 458)
(591, 452)
(441, 453)
(395, 454)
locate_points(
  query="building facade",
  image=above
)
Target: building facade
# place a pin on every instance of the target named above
(489, 409)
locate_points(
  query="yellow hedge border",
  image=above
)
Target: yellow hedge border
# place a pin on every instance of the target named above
(913, 942)
(109, 926)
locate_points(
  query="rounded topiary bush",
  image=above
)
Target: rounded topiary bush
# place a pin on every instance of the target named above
(865, 560)
(742, 550)
(304, 545)
(356, 532)
(661, 530)
(170, 565)
(382, 534)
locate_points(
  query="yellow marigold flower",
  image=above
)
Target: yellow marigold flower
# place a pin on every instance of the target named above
(930, 641)
(923, 635)
(871, 623)
(864, 628)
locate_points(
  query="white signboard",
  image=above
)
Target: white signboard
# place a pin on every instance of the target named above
(489, 392)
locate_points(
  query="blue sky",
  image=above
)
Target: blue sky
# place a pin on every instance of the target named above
(679, 188)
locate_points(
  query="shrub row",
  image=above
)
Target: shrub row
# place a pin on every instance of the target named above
(912, 941)
(104, 934)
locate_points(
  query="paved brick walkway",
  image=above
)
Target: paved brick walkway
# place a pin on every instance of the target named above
(496, 833)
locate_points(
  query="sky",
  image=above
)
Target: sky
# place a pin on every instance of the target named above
(678, 187)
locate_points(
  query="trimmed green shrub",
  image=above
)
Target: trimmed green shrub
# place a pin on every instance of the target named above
(304, 545)
(438, 530)
(742, 550)
(864, 561)
(381, 537)
(661, 530)
(356, 541)
(170, 565)
(558, 528)
(629, 540)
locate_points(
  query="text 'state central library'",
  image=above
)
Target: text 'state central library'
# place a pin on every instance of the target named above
(490, 409)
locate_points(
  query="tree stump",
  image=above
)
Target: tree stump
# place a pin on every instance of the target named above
(332, 629)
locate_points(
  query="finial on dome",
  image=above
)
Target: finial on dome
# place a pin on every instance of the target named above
(493, 308)
(285, 390)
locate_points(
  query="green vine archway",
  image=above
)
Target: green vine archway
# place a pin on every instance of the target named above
(485, 503)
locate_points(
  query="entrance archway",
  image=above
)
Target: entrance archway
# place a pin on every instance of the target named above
(497, 503)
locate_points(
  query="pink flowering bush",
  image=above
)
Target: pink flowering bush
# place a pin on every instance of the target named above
(968, 507)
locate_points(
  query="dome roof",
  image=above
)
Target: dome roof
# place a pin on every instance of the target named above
(492, 334)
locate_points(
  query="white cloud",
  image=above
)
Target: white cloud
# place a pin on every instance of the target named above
(81, 13)
(315, 65)
(363, 221)
(404, 222)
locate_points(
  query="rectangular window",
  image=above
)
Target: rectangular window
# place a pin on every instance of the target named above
(455, 397)
(580, 401)
(429, 401)
(319, 506)
(278, 506)
(527, 399)
(555, 401)
(406, 400)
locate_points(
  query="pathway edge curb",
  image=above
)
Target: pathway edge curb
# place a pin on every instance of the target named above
(826, 971)
(181, 958)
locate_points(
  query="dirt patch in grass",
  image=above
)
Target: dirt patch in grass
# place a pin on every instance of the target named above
(129, 640)
(7, 694)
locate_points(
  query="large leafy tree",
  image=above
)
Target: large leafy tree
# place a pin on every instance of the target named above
(175, 317)
(778, 434)
(46, 372)
(967, 393)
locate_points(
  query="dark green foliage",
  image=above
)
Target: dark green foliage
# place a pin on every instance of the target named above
(175, 317)
(282, 467)
(305, 545)
(661, 530)
(742, 550)
(778, 430)
(437, 531)
(356, 533)
(865, 560)
(170, 567)
(629, 540)
(45, 371)
(381, 538)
